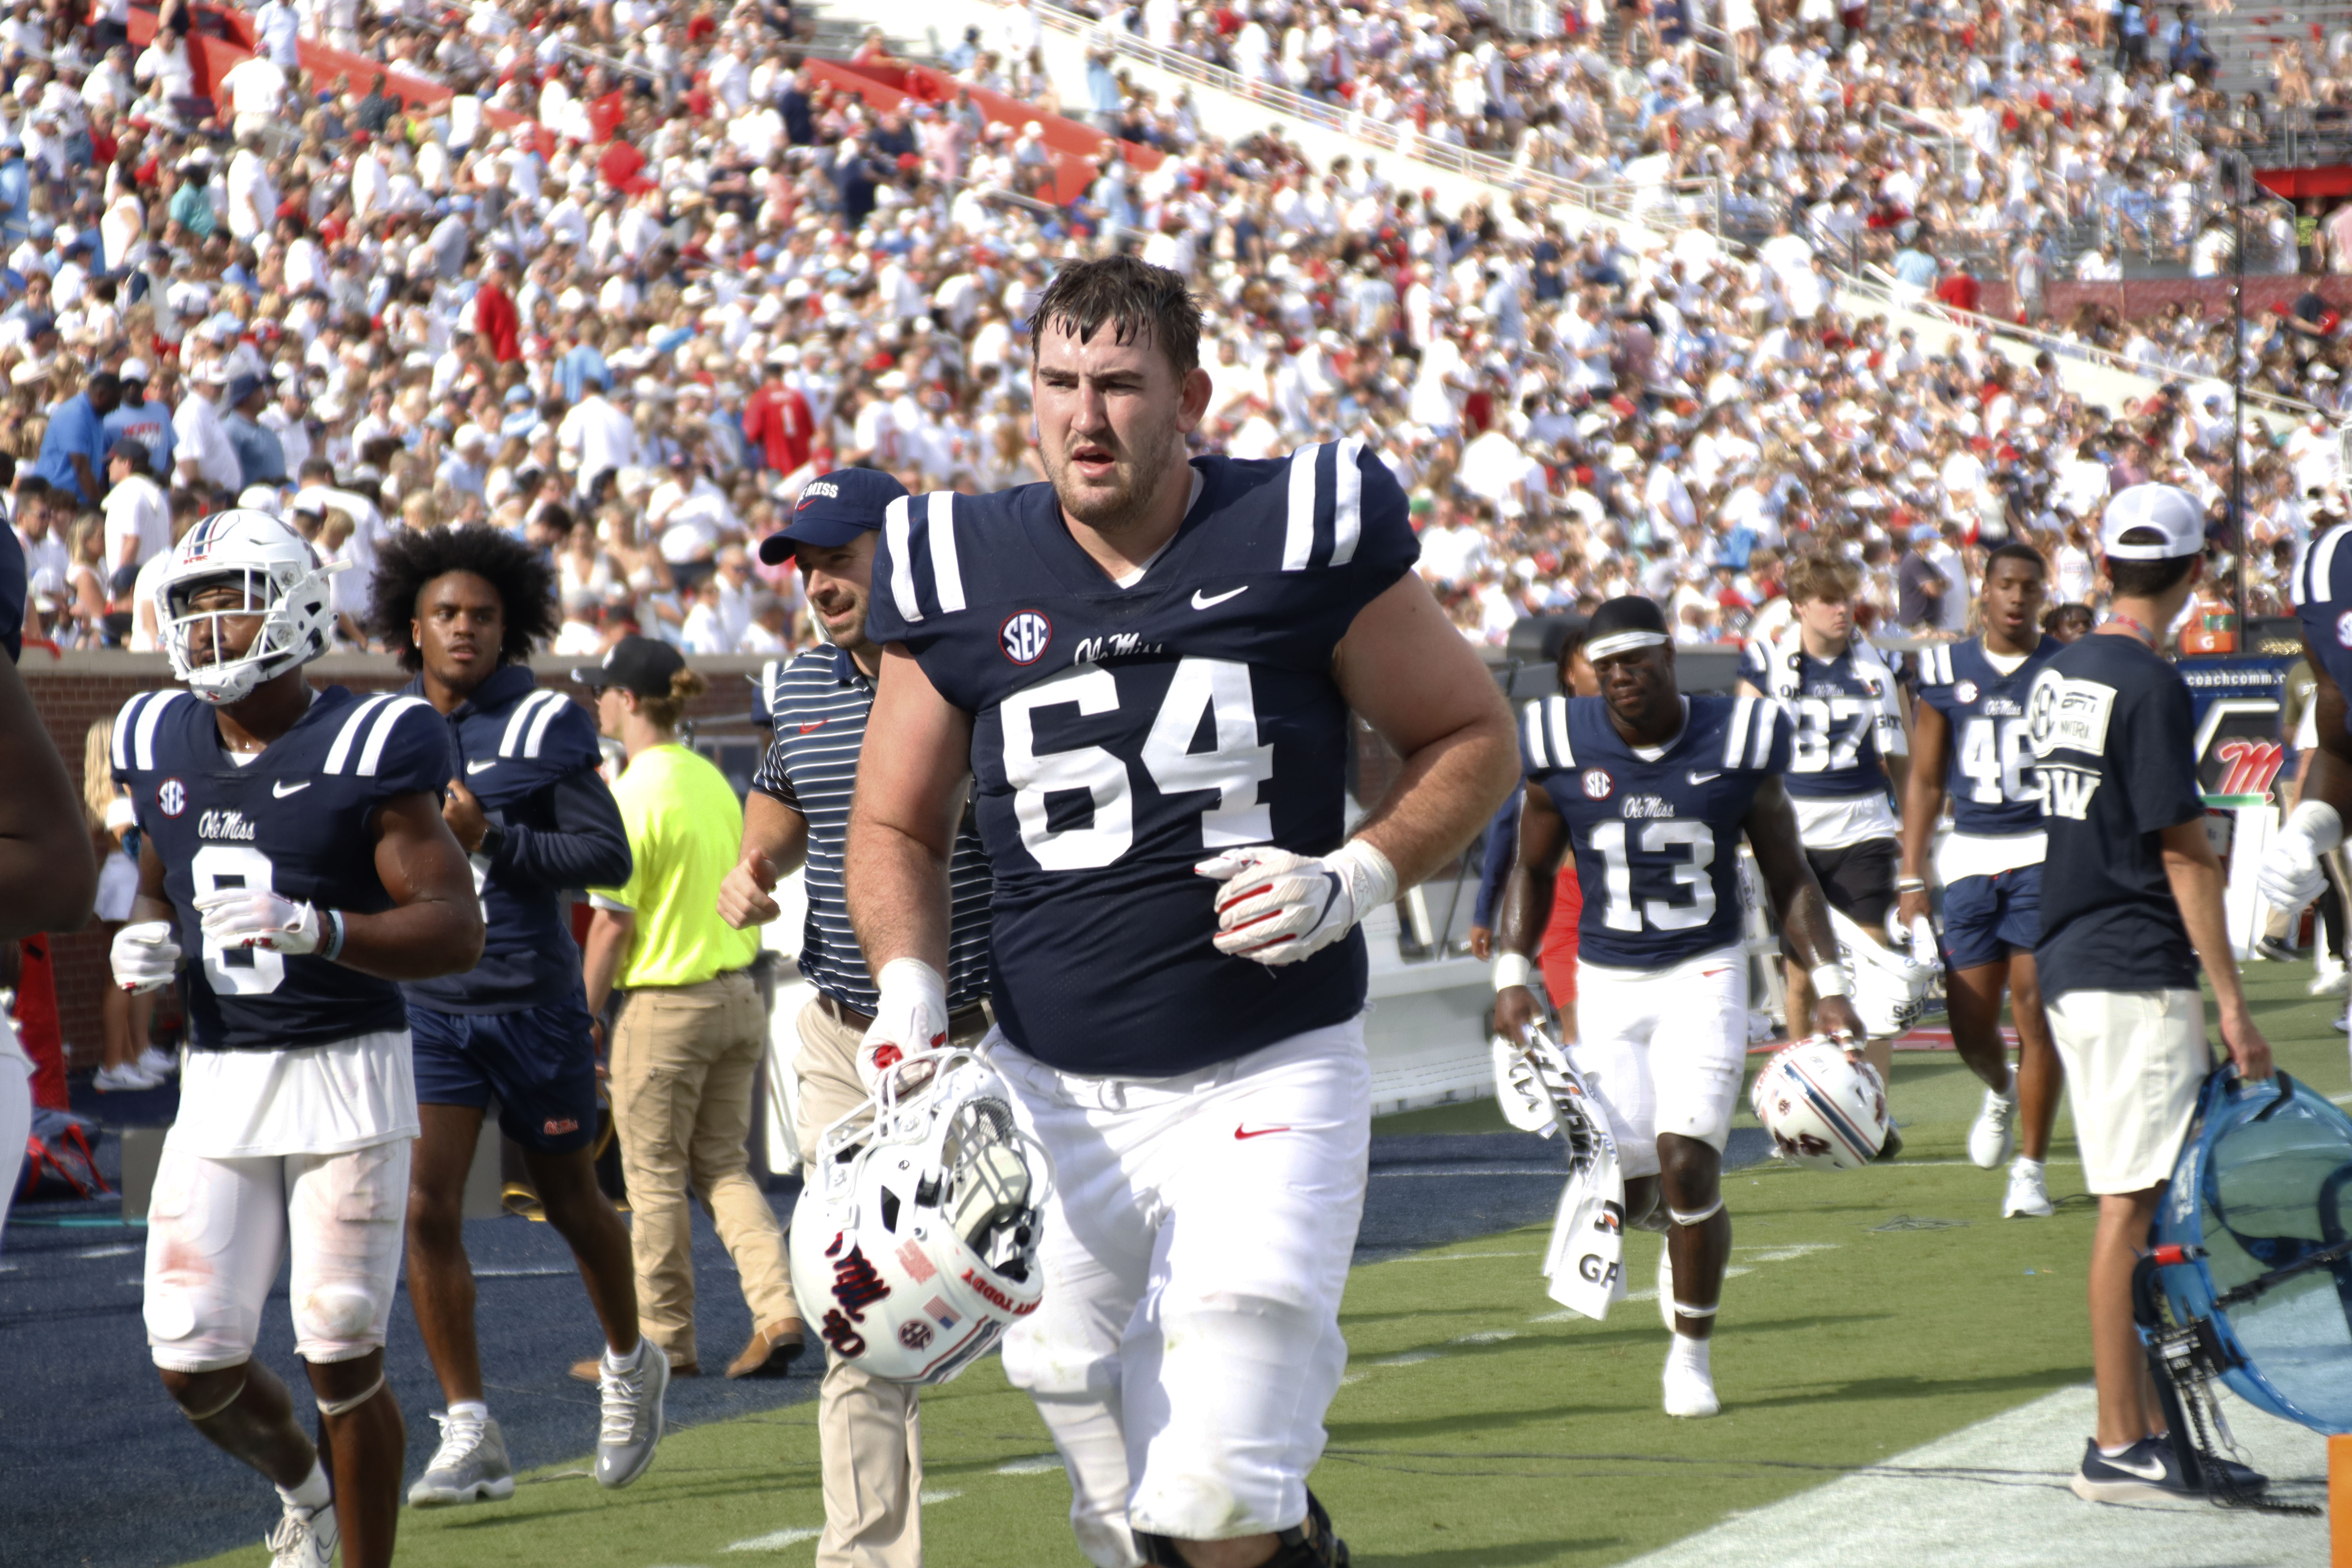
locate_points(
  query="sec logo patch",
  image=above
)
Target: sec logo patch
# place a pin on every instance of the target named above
(1597, 783)
(2344, 629)
(1966, 690)
(1024, 636)
(173, 797)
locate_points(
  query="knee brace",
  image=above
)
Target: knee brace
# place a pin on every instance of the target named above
(1310, 1544)
(345, 1406)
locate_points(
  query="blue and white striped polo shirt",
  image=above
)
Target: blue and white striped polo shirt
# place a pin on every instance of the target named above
(818, 703)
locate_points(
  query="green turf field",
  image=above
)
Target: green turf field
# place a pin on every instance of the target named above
(1479, 1426)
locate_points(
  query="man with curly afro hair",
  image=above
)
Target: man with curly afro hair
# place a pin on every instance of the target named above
(463, 608)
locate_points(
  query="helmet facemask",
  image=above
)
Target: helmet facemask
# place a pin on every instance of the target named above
(292, 606)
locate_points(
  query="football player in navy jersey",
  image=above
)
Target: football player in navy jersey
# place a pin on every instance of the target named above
(293, 848)
(1144, 672)
(1651, 790)
(463, 607)
(2291, 874)
(1970, 730)
(1846, 747)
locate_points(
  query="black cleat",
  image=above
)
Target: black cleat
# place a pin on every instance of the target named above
(1890, 1150)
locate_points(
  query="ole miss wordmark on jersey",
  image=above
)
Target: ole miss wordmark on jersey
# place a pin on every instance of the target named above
(1990, 776)
(1122, 735)
(1842, 713)
(296, 820)
(2323, 601)
(1656, 839)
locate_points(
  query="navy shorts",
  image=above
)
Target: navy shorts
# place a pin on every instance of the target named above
(1986, 919)
(539, 1062)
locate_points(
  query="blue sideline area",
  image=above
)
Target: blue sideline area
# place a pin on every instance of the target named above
(102, 1472)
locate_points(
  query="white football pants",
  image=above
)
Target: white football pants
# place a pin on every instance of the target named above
(1195, 1250)
(1664, 1050)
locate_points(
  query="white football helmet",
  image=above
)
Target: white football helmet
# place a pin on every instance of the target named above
(1824, 1110)
(283, 584)
(914, 1245)
(1890, 991)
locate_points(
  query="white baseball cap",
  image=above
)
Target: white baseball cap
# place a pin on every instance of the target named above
(2170, 510)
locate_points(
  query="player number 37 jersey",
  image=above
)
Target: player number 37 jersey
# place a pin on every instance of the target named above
(1122, 735)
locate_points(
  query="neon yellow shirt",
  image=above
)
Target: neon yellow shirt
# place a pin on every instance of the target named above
(686, 828)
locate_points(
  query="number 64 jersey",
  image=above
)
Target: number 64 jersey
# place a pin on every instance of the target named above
(1656, 837)
(1123, 734)
(296, 819)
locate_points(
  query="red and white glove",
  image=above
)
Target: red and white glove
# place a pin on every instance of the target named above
(910, 1018)
(256, 917)
(145, 957)
(1278, 907)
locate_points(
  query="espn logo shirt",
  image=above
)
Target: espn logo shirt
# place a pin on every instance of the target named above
(2114, 750)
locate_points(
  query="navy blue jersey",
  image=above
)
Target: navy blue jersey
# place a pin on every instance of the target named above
(1990, 778)
(530, 756)
(2322, 592)
(1656, 840)
(297, 819)
(1842, 714)
(1122, 735)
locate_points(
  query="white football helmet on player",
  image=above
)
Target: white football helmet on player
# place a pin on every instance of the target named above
(1890, 990)
(1825, 1111)
(283, 584)
(915, 1243)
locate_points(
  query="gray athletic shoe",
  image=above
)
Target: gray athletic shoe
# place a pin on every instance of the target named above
(305, 1538)
(469, 1466)
(631, 1428)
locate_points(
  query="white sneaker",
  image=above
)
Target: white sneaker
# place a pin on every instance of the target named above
(632, 1426)
(1690, 1393)
(158, 1065)
(2331, 981)
(126, 1079)
(305, 1538)
(2029, 1194)
(1993, 1136)
(469, 1466)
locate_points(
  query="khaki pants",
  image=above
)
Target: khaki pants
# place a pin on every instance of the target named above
(685, 1058)
(869, 1432)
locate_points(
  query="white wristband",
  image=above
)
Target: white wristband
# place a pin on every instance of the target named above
(2317, 821)
(1370, 879)
(914, 975)
(1829, 980)
(1512, 969)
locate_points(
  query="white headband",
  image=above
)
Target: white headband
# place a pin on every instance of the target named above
(1616, 643)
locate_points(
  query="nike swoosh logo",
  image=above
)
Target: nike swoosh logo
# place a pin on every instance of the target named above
(281, 789)
(481, 767)
(1200, 602)
(818, 725)
(2152, 1470)
(1700, 778)
(1241, 1133)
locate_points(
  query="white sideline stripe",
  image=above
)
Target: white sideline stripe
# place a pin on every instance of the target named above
(932, 1499)
(523, 1273)
(108, 1251)
(776, 1539)
(1034, 1465)
(1994, 1496)
(1455, 1257)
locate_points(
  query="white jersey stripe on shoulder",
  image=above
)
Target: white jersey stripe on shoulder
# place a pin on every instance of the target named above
(349, 736)
(1348, 502)
(1734, 739)
(2323, 562)
(118, 744)
(1298, 529)
(894, 529)
(947, 570)
(143, 743)
(1563, 751)
(510, 738)
(1531, 729)
(1767, 719)
(556, 703)
(372, 753)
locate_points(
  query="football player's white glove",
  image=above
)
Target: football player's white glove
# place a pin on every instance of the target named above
(2290, 876)
(1278, 907)
(911, 1016)
(145, 957)
(256, 917)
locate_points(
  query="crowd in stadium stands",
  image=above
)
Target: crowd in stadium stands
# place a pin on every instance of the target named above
(629, 327)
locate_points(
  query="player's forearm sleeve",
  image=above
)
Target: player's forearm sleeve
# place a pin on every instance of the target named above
(1501, 853)
(587, 847)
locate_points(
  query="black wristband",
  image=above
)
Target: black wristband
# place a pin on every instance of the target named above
(494, 838)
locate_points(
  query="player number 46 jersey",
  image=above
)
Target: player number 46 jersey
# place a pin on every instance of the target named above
(1120, 735)
(1994, 791)
(1656, 838)
(298, 820)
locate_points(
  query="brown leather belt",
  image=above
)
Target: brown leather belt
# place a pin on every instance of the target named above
(970, 1019)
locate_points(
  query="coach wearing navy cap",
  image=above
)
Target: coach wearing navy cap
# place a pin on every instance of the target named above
(798, 811)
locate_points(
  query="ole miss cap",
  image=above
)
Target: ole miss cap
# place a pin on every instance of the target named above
(2172, 512)
(833, 510)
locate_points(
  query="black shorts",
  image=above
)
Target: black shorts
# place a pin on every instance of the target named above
(1859, 880)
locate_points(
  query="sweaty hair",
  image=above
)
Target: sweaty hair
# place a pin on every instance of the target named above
(2146, 579)
(2016, 551)
(412, 559)
(1136, 298)
(685, 686)
(1822, 577)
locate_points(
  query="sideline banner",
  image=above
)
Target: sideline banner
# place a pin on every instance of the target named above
(2236, 700)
